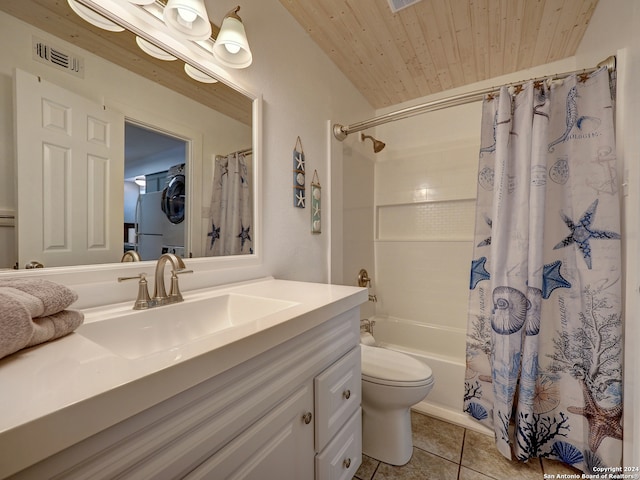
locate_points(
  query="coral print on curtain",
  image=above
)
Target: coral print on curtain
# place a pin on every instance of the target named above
(231, 214)
(544, 339)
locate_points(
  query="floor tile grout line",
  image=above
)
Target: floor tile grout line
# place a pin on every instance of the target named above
(464, 439)
(375, 470)
(436, 455)
(464, 434)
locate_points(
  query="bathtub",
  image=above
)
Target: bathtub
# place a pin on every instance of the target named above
(443, 349)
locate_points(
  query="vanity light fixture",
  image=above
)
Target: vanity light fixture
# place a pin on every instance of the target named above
(150, 49)
(94, 18)
(198, 75)
(188, 18)
(231, 47)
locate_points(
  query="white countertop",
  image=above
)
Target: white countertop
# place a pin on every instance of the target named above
(59, 393)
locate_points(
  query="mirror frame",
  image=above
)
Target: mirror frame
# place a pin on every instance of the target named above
(134, 19)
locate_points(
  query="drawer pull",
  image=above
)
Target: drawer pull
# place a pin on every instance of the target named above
(306, 418)
(347, 462)
(346, 394)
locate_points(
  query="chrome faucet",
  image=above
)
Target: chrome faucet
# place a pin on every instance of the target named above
(160, 296)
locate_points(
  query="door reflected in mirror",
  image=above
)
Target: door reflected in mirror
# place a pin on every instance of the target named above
(206, 120)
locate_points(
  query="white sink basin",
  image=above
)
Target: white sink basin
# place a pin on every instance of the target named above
(139, 333)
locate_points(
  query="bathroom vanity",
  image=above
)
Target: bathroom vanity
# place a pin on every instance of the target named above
(273, 391)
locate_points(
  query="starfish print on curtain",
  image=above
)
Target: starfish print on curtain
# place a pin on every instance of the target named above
(214, 234)
(582, 232)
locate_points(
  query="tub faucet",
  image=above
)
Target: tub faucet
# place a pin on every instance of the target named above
(160, 296)
(366, 325)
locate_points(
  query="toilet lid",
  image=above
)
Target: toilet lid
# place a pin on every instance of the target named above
(384, 366)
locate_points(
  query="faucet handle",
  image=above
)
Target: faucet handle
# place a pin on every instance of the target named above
(364, 280)
(174, 292)
(143, 300)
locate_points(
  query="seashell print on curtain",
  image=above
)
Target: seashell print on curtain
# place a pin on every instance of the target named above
(544, 337)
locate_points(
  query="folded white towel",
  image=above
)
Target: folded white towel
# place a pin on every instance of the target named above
(53, 297)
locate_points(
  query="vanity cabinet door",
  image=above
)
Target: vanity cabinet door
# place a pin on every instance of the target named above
(278, 446)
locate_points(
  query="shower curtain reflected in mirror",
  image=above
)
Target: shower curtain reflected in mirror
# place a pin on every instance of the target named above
(231, 215)
(544, 338)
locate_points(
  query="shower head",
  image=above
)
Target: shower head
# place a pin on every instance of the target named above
(377, 144)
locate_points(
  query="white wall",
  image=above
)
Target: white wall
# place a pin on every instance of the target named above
(302, 90)
(425, 172)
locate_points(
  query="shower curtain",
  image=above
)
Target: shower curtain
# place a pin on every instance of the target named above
(544, 338)
(231, 211)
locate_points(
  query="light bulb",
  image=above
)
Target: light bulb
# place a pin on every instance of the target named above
(187, 15)
(232, 48)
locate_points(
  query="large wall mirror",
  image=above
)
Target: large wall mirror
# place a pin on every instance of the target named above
(169, 132)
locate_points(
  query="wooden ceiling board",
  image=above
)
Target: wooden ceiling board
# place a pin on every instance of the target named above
(436, 45)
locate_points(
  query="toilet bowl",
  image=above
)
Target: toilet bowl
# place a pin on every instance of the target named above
(391, 383)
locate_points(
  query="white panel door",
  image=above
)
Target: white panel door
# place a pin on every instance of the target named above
(70, 172)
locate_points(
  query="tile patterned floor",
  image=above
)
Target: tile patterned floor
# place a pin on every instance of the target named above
(443, 451)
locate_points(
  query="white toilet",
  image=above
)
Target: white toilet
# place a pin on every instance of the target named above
(391, 383)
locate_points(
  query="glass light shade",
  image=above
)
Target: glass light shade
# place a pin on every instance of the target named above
(198, 75)
(232, 38)
(189, 18)
(94, 18)
(150, 49)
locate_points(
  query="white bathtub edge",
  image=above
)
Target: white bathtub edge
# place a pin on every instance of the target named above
(448, 415)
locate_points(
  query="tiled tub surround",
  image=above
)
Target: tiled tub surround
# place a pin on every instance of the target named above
(425, 213)
(443, 451)
(58, 394)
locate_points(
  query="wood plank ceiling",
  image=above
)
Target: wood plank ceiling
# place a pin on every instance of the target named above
(436, 45)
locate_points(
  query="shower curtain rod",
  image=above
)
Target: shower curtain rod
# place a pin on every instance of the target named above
(246, 151)
(341, 131)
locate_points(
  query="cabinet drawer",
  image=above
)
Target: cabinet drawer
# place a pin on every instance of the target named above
(337, 396)
(342, 457)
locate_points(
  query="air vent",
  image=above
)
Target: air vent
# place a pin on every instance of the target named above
(45, 52)
(397, 5)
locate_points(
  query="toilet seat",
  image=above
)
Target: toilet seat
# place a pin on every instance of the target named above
(387, 367)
